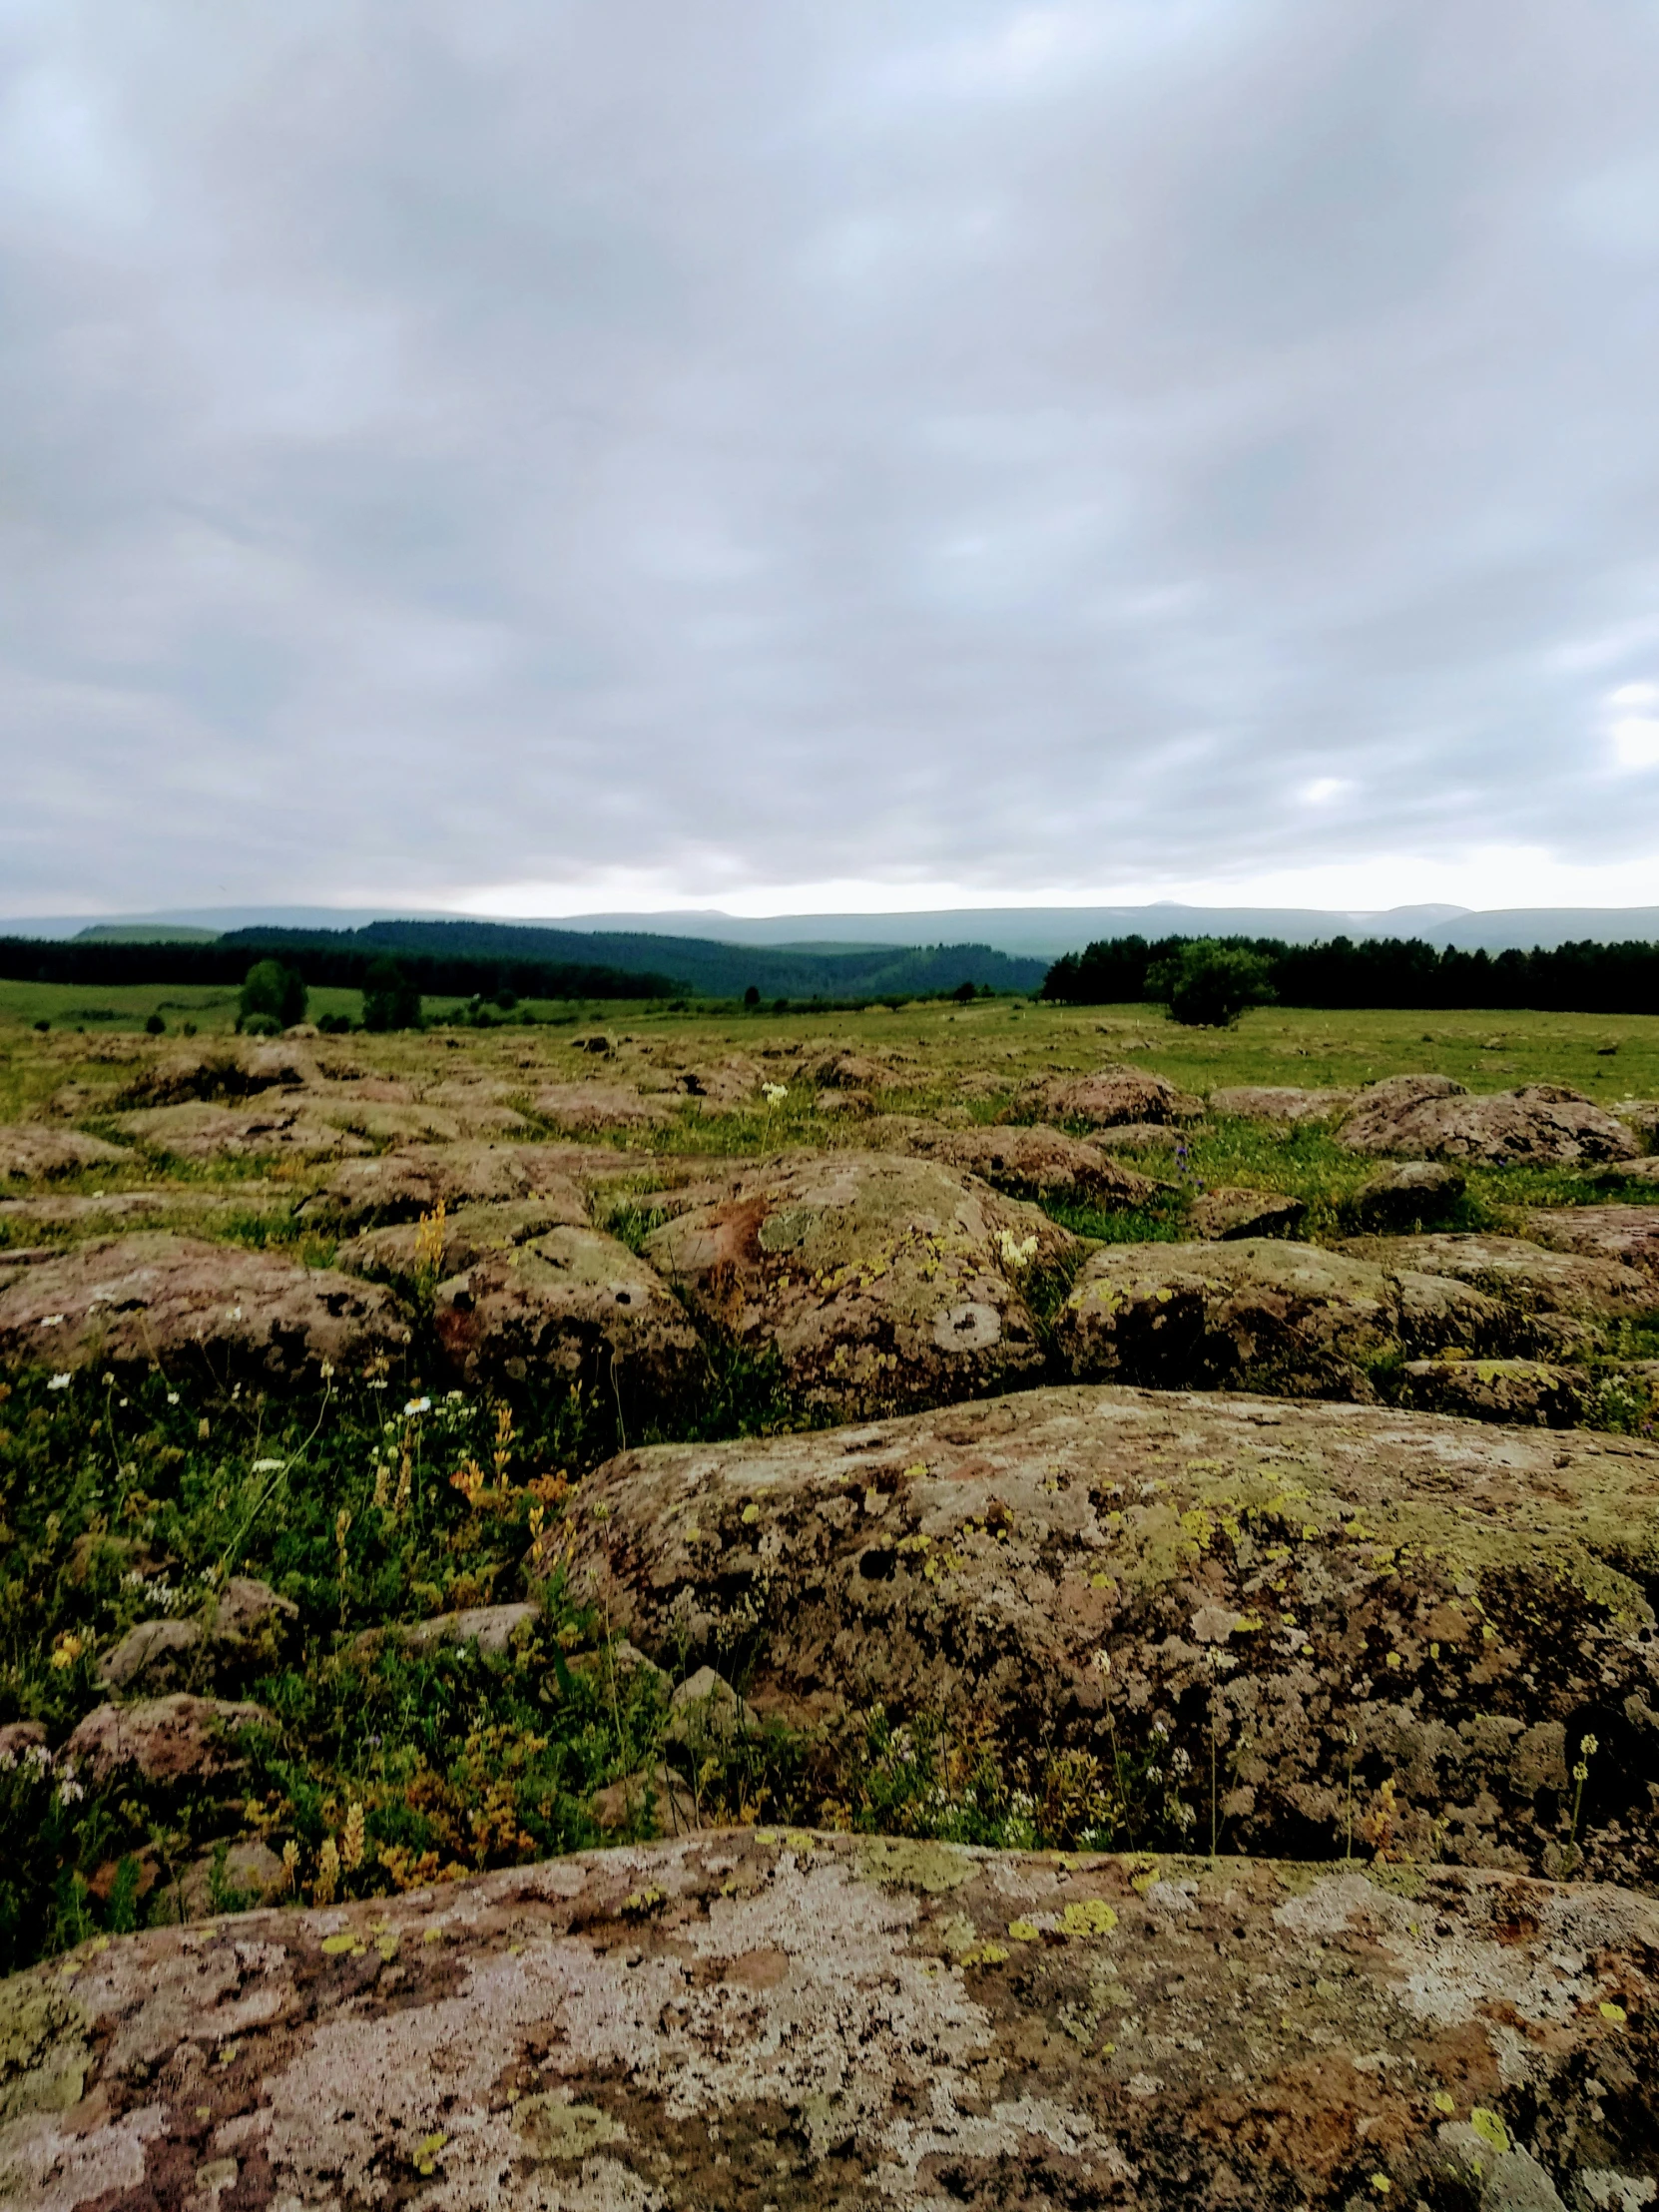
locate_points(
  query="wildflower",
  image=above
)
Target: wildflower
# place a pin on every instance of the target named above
(351, 1844)
(775, 1093)
(377, 1382)
(59, 1382)
(418, 1406)
(173, 1398)
(267, 1467)
(70, 1791)
(66, 1650)
(327, 1371)
(328, 1871)
(50, 1321)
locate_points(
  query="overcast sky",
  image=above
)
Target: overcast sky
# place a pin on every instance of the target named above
(536, 456)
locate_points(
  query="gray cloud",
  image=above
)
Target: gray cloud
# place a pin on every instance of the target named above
(1007, 447)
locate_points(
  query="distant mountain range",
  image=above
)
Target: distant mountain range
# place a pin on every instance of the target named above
(1032, 933)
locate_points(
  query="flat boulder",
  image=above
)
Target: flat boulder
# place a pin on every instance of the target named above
(732, 1081)
(417, 1179)
(571, 1306)
(223, 1068)
(1278, 1102)
(1257, 1314)
(591, 1107)
(173, 1741)
(29, 1152)
(1414, 1195)
(1526, 1390)
(286, 1126)
(1543, 1124)
(157, 1299)
(1346, 1608)
(1626, 1234)
(878, 1281)
(1112, 1097)
(765, 2016)
(1226, 1213)
(1038, 1163)
(1556, 1302)
(406, 1251)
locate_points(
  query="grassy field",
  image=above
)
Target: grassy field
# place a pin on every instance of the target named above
(364, 1512)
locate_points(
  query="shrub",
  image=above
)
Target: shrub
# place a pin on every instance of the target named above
(751, 996)
(155, 1026)
(391, 1000)
(274, 991)
(333, 1025)
(1209, 985)
(965, 993)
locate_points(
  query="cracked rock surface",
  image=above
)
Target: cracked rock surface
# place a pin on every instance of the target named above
(1269, 1611)
(806, 2021)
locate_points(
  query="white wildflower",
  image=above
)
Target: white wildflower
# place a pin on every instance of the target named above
(268, 1466)
(173, 1398)
(418, 1406)
(60, 1383)
(50, 1321)
(775, 1093)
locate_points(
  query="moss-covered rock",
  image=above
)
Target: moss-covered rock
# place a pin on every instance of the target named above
(1258, 1314)
(1352, 1608)
(1117, 1096)
(1543, 1124)
(572, 1304)
(878, 1281)
(805, 2021)
(1036, 1162)
(139, 1300)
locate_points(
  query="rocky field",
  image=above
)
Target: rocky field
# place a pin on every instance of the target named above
(1098, 1583)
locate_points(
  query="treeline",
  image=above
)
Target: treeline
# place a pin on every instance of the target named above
(709, 967)
(340, 964)
(1584, 979)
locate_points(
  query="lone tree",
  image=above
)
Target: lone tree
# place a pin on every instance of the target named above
(1209, 985)
(391, 1000)
(272, 998)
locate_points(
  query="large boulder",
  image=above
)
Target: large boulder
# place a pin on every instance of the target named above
(879, 1282)
(222, 1068)
(1038, 1163)
(1280, 1102)
(408, 1252)
(571, 1306)
(1627, 1233)
(173, 1301)
(1260, 1315)
(1118, 1096)
(763, 2017)
(588, 1108)
(246, 1630)
(1543, 1124)
(176, 1742)
(1411, 1194)
(1525, 1391)
(418, 1177)
(1228, 1213)
(1555, 1302)
(1299, 1615)
(28, 1151)
(285, 1124)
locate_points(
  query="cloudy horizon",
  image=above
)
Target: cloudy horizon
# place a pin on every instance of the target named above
(541, 461)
